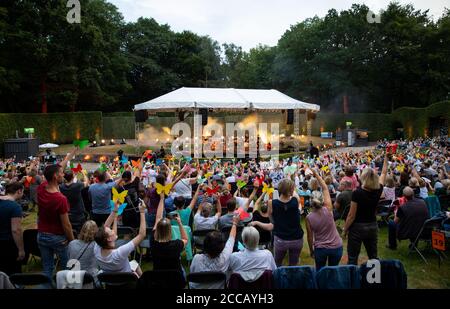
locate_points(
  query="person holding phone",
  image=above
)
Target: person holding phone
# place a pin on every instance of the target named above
(166, 252)
(112, 259)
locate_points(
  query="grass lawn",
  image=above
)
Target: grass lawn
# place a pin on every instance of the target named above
(420, 275)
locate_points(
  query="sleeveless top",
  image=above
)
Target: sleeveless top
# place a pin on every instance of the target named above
(286, 220)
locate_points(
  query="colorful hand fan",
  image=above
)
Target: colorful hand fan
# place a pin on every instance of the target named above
(207, 175)
(400, 168)
(119, 196)
(241, 184)
(188, 159)
(242, 214)
(266, 189)
(259, 179)
(81, 144)
(136, 164)
(103, 167)
(121, 207)
(391, 148)
(201, 180)
(166, 189)
(291, 169)
(28, 181)
(159, 162)
(77, 169)
(325, 168)
(148, 153)
(124, 160)
(212, 191)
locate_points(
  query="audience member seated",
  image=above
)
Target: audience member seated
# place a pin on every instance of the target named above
(185, 213)
(261, 221)
(389, 189)
(203, 219)
(408, 220)
(216, 256)
(112, 259)
(82, 249)
(252, 262)
(343, 200)
(166, 252)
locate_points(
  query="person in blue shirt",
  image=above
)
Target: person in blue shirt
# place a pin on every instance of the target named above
(11, 240)
(100, 194)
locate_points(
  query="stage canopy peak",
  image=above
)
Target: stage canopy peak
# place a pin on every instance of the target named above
(187, 98)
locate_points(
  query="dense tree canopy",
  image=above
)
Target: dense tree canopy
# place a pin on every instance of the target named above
(104, 63)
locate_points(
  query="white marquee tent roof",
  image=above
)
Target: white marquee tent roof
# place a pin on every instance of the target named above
(225, 98)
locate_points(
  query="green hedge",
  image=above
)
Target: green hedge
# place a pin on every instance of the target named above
(118, 127)
(415, 121)
(58, 128)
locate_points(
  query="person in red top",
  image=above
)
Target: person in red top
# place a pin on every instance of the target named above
(54, 228)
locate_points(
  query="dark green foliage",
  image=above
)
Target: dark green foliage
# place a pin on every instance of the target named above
(61, 128)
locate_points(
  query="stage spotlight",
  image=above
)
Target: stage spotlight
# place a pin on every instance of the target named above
(123, 142)
(94, 144)
(103, 143)
(112, 142)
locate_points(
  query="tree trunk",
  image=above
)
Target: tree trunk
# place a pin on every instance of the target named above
(43, 96)
(345, 103)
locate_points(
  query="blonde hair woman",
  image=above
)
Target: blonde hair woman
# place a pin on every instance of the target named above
(285, 213)
(389, 189)
(361, 224)
(82, 249)
(325, 244)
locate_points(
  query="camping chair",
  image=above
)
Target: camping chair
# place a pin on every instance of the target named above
(162, 279)
(263, 282)
(393, 276)
(5, 283)
(207, 277)
(118, 280)
(226, 233)
(197, 238)
(88, 280)
(36, 280)
(124, 235)
(425, 235)
(295, 277)
(30, 245)
(433, 205)
(145, 244)
(384, 210)
(338, 277)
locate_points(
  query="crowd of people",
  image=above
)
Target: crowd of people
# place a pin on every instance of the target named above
(252, 212)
